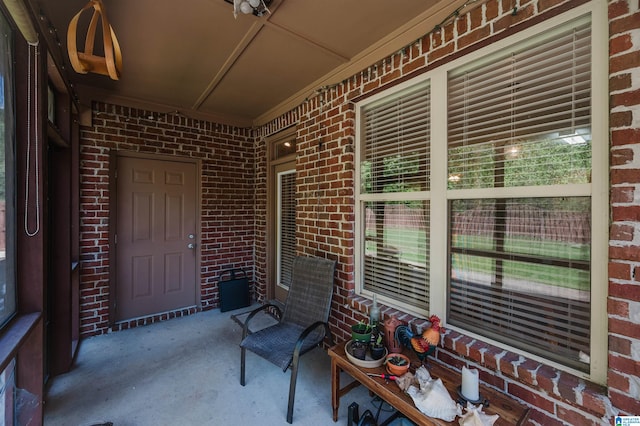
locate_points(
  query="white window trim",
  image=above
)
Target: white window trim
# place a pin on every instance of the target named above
(598, 189)
(362, 198)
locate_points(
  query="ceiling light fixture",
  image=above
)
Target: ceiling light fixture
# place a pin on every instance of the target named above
(85, 62)
(574, 136)
(257, 7)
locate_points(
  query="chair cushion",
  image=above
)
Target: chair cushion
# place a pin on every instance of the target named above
(276, 343)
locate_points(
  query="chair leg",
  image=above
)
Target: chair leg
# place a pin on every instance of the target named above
(243, 355)
(292, 387)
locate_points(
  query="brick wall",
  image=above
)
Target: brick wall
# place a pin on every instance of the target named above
(227, 200)
(326, 204)
(325, 219)
(624, 245)
(325, 190)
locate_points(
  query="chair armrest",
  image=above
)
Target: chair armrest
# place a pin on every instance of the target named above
(245, 327)
(308, 330)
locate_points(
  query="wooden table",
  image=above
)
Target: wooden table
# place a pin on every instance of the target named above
(510, 411)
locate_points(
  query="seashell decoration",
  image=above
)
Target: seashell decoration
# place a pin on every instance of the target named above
(475, 417)
(406, 380)
(432, 398)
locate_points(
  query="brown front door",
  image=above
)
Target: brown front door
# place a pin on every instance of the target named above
(156, 236)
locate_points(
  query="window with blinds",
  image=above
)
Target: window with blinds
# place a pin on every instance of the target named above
(8, 290)
(393, 197)
(522, 118)
(520, 267)
(286, 244)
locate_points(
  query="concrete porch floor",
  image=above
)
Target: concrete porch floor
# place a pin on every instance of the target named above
(186, 371)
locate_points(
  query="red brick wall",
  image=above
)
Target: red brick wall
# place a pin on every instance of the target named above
(325, 190)
(325, 218)
(261, 220)
(325, 164)
(227, 200)
(624, 244)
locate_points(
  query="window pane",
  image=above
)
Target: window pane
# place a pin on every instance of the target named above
(395, 153)
(397, 251)
(286, 226)
(284, 148)
(7, 388)
(532, 162)
(523, 118)
(7, 284)
(520, 270)
(520, 273)
(17, 406)
(395, 159)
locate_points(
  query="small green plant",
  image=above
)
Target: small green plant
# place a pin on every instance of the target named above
(361, 323)
(377, 349)
(361, 332)
(361, 327)
(396, 360)
(378, 341)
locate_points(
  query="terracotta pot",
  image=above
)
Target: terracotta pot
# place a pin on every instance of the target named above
(395, 369)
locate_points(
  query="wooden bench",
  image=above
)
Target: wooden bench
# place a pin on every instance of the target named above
(510, 411)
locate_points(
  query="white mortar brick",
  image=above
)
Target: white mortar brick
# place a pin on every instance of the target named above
(634, 387)
(634, 312)
(635, 350)
(635, 110)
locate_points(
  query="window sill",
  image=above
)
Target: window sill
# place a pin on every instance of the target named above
(14, 334)
(363, 304)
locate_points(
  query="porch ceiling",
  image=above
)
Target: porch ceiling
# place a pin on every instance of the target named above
(194, 57)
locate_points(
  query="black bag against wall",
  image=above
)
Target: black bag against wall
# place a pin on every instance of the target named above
(234, 290)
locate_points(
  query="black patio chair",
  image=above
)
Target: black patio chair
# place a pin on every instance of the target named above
(302, 326)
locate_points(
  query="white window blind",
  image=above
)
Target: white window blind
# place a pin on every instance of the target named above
(286, 226)
(396, 251)
(520, 268)
(520, 274)
(523, 117)
(394, 161)
(395, 152)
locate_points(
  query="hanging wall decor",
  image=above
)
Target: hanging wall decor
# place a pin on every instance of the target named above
(86, 62)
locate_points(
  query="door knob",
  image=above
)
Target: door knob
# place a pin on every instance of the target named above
(191, 245)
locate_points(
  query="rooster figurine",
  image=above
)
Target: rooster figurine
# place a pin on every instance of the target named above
(425, 344)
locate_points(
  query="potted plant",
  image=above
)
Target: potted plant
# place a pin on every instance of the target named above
(359, 349)
(377, 348)
(397, 364)
(361, 332)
